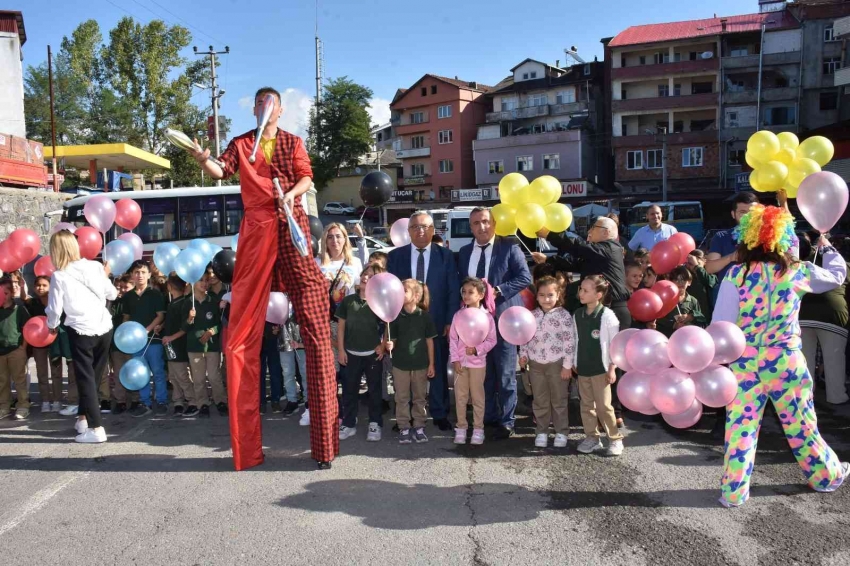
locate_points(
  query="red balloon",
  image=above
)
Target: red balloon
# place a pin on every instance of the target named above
(44, 266)
(686, 245)
(528, 299)
(668, 292)
(8, 260)
(25, 244)
(644, 305)
(128, 214)
(664, 257)
(90, 241)
(36, 332)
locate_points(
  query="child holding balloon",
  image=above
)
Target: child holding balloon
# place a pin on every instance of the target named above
(468, 355)
(13, 353)
(45, 366)
(202, 327)
(687, 311)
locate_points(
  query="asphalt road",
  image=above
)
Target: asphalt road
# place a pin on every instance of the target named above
(162, 491)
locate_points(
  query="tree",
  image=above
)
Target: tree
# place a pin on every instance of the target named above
(340, 129)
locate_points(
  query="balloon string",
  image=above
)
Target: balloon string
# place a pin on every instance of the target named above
(814, 259)
(521, 242)
(145, 351)
(389, 338)
(364, 214)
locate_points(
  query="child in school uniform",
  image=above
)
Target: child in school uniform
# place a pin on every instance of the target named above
(48, 370)
(202, 326)
(13, 353)
(174, 343)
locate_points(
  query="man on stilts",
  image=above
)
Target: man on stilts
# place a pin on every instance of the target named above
(269, 261)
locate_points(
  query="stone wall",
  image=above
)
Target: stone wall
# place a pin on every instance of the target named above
(21, 208)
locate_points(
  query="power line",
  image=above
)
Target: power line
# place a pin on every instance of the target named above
(187, 23)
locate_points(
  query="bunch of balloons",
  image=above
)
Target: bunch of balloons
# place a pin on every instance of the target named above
(697, 376)
(782, 162)
(21, 247)
(651, 304)
(191, 263)
(530, 207)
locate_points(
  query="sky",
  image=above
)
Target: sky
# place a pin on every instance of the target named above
(381, 44)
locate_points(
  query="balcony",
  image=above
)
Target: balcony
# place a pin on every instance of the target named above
(750, 96)
(518, 113)
(527, 140)
(752, 61)
(640, 72)
(654, 104)
(842, 77)
(415, 181)
(682, 138)
(405, 126)
(413, 152)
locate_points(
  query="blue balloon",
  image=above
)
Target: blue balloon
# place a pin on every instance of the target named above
(119, 255)
(191, 265)
(202, 246)
(215, 250)
(234, 241)
(135, 374)
(163, 257)
(130, 337)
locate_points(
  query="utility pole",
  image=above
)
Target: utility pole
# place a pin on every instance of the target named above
(52, 119)
(215, 93)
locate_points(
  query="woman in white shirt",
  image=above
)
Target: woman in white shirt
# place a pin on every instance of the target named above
(79, 288)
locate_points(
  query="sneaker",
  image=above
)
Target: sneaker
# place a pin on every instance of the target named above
(477, 436)
(21, 414)
(404, 436)
(141, 411)
(56, 407)
(45, 407)
(178, 410)
(460, 436)
(374, 434)
(276, 407)
(191, 411)
(346, 432)
(541, 440)
(221, 408)
(105, 408)
(4, 413)
(589, 445)
(504, 432)
(419, 436)
(305, 418)
(560, 441)
(161, 410)
(69, 411)
(290, 408)
(92, 436)
(81, 426)
(205, 411)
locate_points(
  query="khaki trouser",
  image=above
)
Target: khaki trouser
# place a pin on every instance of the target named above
(404, 383)
(469, 383)
(49, 380)
(183, 390)
(13, 368)
(596, 406)
(119, 393)
(551, 397)
(207, 366)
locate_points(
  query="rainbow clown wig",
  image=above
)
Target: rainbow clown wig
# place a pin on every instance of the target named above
(770, 227)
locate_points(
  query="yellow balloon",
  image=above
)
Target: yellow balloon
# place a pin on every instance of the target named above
(505, 218)
(772, 176)
(510, 187)
(818, 149)
(752, 161)
(530, 218)
(799, 170)
(754, 181)
(559, 217)
(787, 140)
(786, 156)
(790, 192)
(544, 190)
(763, 145)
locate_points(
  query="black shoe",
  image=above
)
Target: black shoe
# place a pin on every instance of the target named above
(276, 408)
(205, 411)
(290, 408)
(192, 411)
(222, 409)
(324, 465)
(385, 406)
(141, 411)
(105, 408)
(492, 424)
(161, 410)
(443, 424)
(395, 428)
(504, 433)
(119, 408)
(178, 410)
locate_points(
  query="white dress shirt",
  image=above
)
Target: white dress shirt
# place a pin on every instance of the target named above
(414, 258)
(476, 255)
(81, 291)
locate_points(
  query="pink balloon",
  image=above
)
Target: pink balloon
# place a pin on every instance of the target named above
(672, 391)
(399, 235)
(729, 341)
(25, 244)
(278, 309)
(691, 349)
(822, 198)
(8, 260)
(135, 241)
(633, 392)
(517, 325)
(618, 349)
(100, 213)
(472, 326)
(63, 226)
(385, 295)
(128, 214)
(716, 386)
(36, 332)
(646, 351)
(687, 418)
(44, 266)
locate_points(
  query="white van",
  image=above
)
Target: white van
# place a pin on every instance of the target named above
(458, 230)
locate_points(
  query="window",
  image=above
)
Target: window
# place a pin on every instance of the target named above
(701, 125)
(380, 136)
(623, 94)
(446, 166)
(233, 212)
(444, 111)
(678, 126)
(687, 212)
(496, 167)
(654, 158)
(159, 220)
(677, 56)
(200, 217)
(538, 100)
(677, 90)
(829, 100)
(622, 60)
(732, 116)
(692, 157)
(533, 74)
(433, 89)
(736, 157)
(781, 116)
(444, 136)
(417, 169)
(460, 228)
(634, 160)
(525, 163)
(829, 34)
(739, 52)
(625, 129)
(661, 57)
(701, 88)
(663, 90)
(417, 142)
(538, 128)
(831, 64)
(508, 104)
(525, 76)
(565, 97)
(586, 69)
(693, 55)
(424, 91)
(417, 117)
(642, 59)
(551, 161)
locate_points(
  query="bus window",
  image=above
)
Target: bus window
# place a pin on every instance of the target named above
(75, 216)
(200, 217)
(687, 212)
(233, 212)
(461, 228)
(159, 220)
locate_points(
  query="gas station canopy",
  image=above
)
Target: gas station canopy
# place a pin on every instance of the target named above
(114, 156)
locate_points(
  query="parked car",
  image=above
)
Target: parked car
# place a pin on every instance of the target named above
(371, 213)
(372, 245)
(337, 208)
(381, 233)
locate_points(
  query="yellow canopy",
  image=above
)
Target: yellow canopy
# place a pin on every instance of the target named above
(110, 155)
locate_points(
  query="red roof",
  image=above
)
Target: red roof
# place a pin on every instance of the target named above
(657, 33)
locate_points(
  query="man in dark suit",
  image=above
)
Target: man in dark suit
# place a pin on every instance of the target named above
(502, 264)
(435, 265)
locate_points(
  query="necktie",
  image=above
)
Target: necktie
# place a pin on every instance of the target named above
(420, 265)
(481, 270)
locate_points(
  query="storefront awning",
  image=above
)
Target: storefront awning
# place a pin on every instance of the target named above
(112, 156)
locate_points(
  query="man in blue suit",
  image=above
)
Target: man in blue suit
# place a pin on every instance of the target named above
(435, 265)
(503, 265)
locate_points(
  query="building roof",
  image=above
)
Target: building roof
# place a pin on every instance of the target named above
(109, 155)
(691, 29)
(465, 85)
(571, 75)
(17, 20)
(529, 59)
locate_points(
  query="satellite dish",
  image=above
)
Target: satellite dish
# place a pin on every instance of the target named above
(707, 55)
(357, 170)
